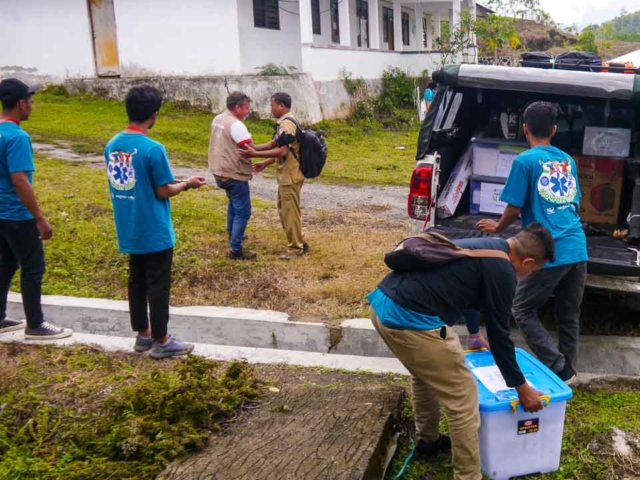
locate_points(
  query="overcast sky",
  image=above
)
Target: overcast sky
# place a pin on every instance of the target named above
(585, 12)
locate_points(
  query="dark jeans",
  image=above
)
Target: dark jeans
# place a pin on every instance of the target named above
(238, 210)
(150, 285)
(21, 247)
(566, 283)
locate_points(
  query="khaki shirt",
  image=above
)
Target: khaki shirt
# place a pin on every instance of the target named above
(288, 168)
(227, 133)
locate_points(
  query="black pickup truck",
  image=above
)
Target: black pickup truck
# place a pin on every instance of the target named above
(470, 104)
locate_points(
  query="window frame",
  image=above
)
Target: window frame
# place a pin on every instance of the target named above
(266, 14)
(316, 19)
(405, 19)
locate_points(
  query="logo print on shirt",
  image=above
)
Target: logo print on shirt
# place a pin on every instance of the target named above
(120, 170)
(557, 183)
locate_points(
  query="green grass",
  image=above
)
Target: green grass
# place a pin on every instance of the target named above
(77, 413)
(593, 410)
(330, 282)
(358, 153)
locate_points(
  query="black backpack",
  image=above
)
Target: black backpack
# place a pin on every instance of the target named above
(430, 250)
(313, 150)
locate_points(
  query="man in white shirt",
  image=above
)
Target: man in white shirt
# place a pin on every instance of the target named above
(231, 171)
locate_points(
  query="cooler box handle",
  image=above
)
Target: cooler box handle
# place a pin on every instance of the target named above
(544, 398)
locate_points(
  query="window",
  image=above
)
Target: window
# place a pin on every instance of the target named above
(362, 17)
(405, 28)
(387, 21)
(315, 17)
(266, 14)
(425, 33)
(335, 21)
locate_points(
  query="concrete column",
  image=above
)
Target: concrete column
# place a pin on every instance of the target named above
(473, 52)
(374, 24)
(306, 22)
(344, 7)
(397, 25)
(455, 14)
(419, 29)
(437, 28)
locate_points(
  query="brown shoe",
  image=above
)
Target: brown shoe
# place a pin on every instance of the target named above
(242, 255)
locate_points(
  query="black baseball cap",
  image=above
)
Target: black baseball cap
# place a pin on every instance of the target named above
(14, 89)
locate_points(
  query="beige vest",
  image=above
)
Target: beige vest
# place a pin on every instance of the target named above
(223, 159)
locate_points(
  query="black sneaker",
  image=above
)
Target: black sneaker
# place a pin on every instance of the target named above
(8, 325)
(46, 331)
(305, 247)
(442, 444)
(242, 255)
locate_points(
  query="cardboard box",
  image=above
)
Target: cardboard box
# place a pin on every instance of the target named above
(601, 186)
(485, 195)
(606, 142)
(456, 185)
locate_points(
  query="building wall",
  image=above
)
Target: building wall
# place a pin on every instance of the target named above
(259, 46)
(324, 64)
(163, 37)
(45, 39)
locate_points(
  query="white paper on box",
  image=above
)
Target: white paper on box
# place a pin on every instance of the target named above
(505, 161)
(492, 379)
(606, 142)
(456, 185)
(490, 198)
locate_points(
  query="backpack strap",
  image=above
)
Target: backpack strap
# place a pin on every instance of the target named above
(484, 253)
(298, 130)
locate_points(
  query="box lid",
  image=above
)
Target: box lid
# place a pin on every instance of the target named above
(487, 179)
(503, 144)
(493, 393)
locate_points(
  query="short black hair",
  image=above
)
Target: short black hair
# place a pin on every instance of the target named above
(432, 85)
(536, 242)
(142, 102)
(236, 98)
(282, 98)
(12, 90)
(540, 118)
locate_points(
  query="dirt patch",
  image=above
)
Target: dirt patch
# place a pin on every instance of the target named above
(621, 450)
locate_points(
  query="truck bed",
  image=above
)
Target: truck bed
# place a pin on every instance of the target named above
(607, 255)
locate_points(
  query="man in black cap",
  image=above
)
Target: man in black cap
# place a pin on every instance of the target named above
(22, 223)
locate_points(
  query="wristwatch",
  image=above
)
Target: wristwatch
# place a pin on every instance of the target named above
(187, 186)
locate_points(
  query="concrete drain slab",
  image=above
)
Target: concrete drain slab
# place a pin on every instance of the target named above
(317, 425)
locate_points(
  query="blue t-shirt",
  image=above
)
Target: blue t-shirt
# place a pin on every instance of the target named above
(392, 315)
(136, 165)
(16, 155)
(543, 183)
(429, 95)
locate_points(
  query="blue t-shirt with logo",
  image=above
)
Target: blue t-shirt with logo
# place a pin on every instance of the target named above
(136, 165)
(543, 183)
(16, 156)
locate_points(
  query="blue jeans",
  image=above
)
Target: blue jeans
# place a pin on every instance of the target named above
(238, 210)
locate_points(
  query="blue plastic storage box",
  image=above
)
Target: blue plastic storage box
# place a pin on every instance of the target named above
(513, 442)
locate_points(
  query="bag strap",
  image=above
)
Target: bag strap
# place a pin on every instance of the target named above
(298, 130)
(479, 253)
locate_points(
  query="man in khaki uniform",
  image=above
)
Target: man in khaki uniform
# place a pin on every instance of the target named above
(284, 150)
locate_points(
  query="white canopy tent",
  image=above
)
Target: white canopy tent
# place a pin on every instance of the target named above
(633, 57)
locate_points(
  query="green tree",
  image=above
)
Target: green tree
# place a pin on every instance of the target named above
(497, 32)
(587, 41)
(457, 39)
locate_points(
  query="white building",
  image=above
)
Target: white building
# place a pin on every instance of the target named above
(87, 38)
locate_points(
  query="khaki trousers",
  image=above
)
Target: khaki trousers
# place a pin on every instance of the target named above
(290, 215)
(439, 374)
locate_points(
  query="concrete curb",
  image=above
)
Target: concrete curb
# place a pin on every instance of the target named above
(239, 327)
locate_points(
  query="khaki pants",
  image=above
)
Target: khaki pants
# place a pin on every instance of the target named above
(290, 215)
(439, 374)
